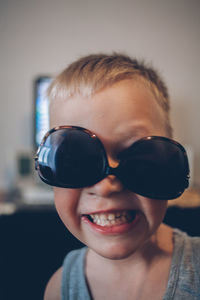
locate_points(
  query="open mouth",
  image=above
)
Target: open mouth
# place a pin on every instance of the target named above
(112, 218)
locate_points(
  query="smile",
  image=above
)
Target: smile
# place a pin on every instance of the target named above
(112, 219)
(112, 222)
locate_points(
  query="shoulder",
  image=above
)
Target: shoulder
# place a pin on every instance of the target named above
(187, 251)
(71, 271)
(193, 247)
(184, 277)
(52, 291)
(190, 242)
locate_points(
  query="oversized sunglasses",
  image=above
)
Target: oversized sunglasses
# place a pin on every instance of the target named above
(74, 157)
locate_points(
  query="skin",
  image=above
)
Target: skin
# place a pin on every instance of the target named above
(118, 115)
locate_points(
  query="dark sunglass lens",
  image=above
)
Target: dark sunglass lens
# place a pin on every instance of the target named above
(75, 158)
(44, 162)
(155, 168)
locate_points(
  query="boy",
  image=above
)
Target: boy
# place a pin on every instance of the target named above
(113, 166)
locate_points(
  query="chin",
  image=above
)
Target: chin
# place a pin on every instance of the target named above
(115, 252)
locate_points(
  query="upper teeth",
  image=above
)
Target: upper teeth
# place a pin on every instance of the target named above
(108, 219)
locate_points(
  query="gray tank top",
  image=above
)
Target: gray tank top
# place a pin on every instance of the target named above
(184, 277)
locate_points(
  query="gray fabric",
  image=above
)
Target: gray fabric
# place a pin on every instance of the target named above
(184, 278)
(74, 286)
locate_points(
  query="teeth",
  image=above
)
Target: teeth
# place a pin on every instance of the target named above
(111, 219)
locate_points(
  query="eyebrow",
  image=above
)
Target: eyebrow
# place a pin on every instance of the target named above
(140, 131)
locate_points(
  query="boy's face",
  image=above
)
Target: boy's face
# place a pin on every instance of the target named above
(118, 115)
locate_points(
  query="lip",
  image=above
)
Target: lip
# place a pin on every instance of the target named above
(107, 211)
(114, 229)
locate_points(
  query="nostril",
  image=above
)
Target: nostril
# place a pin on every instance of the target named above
(92, 194)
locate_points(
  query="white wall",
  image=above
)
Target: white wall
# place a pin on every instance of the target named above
(43, 36)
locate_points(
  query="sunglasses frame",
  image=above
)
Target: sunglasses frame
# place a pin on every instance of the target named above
(108, 170)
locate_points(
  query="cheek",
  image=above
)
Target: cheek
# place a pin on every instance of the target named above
(154, 211)
(67, 206)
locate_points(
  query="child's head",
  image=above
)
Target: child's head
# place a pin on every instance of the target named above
(92, 73)
(120, 101)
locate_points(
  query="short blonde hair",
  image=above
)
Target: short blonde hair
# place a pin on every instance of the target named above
(91, 73)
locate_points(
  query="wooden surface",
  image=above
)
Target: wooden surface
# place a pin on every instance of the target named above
(189, 199)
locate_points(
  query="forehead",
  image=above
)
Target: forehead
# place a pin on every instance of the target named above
(127, 107)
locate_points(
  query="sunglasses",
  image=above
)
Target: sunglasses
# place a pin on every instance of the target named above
(74, 157)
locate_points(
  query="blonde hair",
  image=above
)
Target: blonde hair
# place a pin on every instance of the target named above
(91, 73)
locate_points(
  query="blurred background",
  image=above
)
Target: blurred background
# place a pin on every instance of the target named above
(38, 39)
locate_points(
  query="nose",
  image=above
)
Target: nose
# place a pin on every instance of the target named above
(106, 187)
(109, 185)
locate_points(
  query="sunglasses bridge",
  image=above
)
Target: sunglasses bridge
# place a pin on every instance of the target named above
(112, 171)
